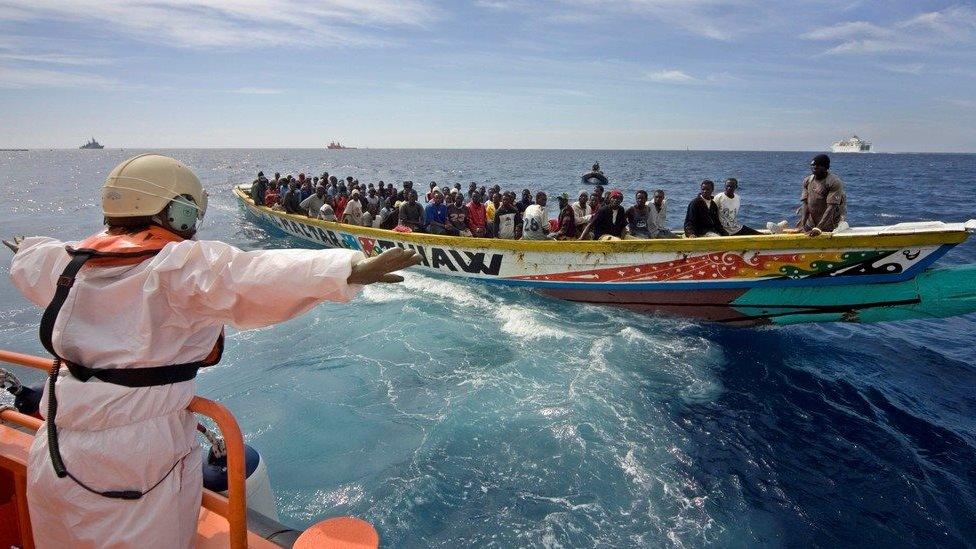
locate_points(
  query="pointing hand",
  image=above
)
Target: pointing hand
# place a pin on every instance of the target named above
(382, 267)
(15, 245)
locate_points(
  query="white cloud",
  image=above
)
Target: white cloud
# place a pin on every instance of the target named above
(54, 59)
(236, 23)
(258, 91)
(945, 29)
(24, 78)
(671, 76)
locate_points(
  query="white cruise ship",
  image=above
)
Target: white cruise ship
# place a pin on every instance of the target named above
(853, 145)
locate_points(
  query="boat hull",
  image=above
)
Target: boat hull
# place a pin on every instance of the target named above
(705, 278)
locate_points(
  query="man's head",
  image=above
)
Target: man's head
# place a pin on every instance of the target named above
(658, 197)
(594, 201)
(526, 194)
(583, 197)
(496, 198)
(731, 184)
(320, 191)
(598, 190)
(458, 199)
(472, 186)
(541, 198)
(641, 198)
(707, 188)
(457, 186)
(820, 166)
(412, 197)
(563, 200)
(616, 197)
(438, 197)
(154, 189)
(408, 185)
(596, 167)
(433, 185)
(476, 198)
(508, 199)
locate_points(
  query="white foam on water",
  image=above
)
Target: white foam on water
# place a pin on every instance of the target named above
(525, 323)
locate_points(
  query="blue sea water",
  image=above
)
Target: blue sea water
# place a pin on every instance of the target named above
(451, 414)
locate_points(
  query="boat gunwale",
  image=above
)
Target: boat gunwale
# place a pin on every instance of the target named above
(662, 245)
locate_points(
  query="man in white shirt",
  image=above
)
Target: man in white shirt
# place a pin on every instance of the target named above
(535, 220)
(728, 210)
(582, 210)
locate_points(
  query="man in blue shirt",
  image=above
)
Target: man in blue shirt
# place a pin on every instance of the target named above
(436, 214)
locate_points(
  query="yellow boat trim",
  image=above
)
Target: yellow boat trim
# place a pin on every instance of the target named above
(704, 244)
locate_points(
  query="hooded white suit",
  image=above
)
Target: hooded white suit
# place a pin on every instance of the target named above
(166, 310)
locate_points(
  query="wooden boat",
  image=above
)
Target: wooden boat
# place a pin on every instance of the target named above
(222, 522)
(865, 274)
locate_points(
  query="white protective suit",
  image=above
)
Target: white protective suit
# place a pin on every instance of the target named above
(166, 310)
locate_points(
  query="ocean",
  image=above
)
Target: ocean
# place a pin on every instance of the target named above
(452, 414)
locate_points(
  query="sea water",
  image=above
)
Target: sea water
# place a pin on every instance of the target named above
(452, 414)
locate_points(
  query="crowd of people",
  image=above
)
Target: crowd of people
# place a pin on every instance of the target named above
(495, 213)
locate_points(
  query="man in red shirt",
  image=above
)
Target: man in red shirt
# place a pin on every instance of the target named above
(477, 217)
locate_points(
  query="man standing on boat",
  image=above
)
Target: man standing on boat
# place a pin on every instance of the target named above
(132, 313)
(823, 203)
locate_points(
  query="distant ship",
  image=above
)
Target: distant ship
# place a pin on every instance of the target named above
(335, 145)
(92, 145)
(853, 145)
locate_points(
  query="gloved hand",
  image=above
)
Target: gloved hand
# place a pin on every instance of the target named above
(381, 267)
(15, 244)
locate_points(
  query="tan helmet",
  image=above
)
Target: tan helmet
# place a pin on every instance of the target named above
(145, 185)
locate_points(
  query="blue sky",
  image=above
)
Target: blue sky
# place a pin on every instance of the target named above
(634, 74)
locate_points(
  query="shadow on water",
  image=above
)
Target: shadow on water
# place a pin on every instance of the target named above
(833, 444)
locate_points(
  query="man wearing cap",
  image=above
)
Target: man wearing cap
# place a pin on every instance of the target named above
(609, 220)
(823, 204)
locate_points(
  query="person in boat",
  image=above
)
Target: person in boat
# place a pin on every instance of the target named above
(403, 195)
(477, 218)
(292, 201)
(535, 220)
(596, 168)
(472, 190)
(373, 201)
(609, 221)
(525, 202)
(435, 215)
(430, 192)
(702, 219)
(313, 204)
(352, 214)
(388, 216)
(657, 221)
(259, 188)
(144, 307)
(638, 217)
(412, 213)
(271, 198)
(728, 210)
(823, 203)
(457, 216)
(508, 220)
(565, 221)
(598, 194)
(491, 208)
(340, 203)
(326, 212)
(582, 210)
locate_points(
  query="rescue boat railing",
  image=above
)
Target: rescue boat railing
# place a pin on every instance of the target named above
(235, 510)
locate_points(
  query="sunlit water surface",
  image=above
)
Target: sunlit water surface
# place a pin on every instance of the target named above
(453, 414)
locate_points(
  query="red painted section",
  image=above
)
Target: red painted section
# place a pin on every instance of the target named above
(711, 266)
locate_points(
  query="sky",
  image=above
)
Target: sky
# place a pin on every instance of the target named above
(552, 74)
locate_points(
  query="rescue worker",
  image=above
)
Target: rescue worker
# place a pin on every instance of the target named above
(137, 310)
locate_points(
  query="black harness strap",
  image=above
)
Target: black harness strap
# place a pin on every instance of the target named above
(127, 377)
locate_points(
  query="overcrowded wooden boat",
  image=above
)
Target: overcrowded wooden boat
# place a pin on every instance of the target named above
(865, 274)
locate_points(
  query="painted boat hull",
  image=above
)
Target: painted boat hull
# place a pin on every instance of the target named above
(704, 278)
